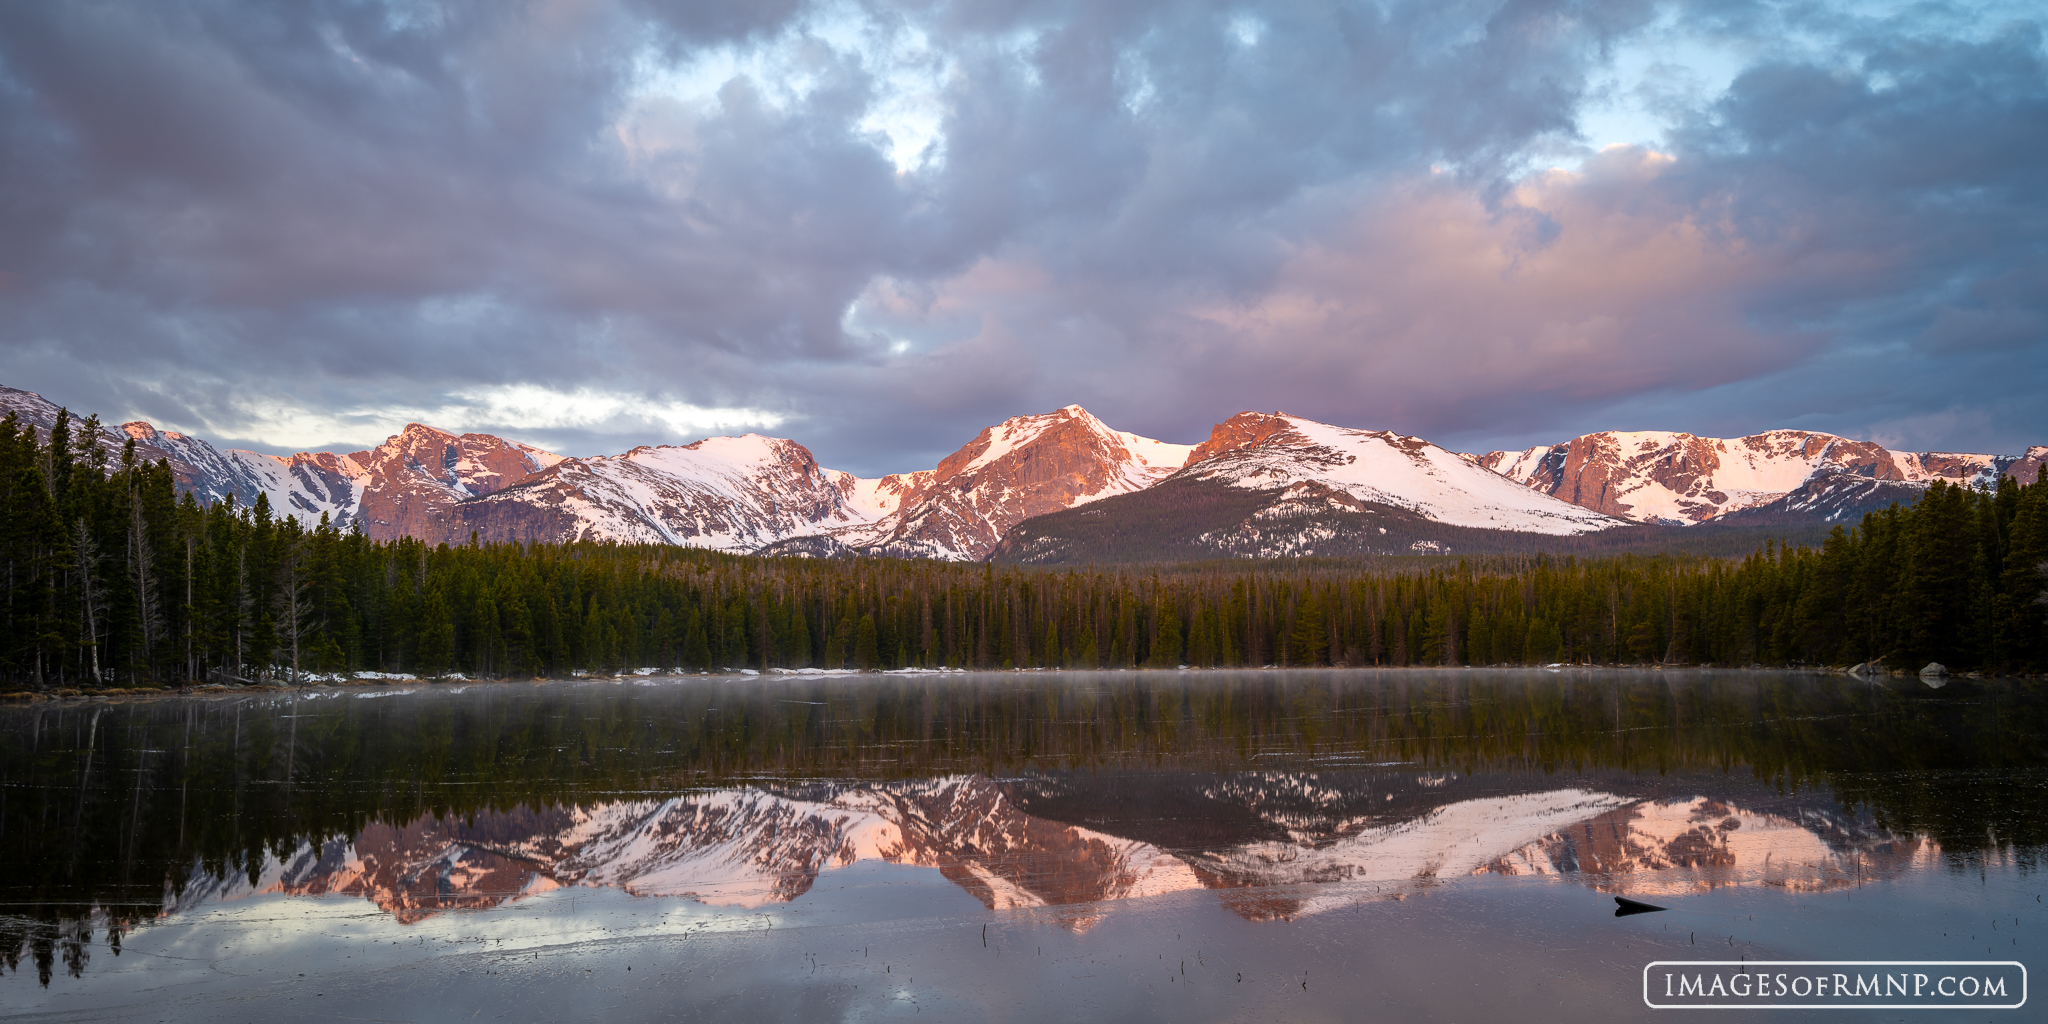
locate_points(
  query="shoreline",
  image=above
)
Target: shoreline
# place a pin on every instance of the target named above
(387, 681)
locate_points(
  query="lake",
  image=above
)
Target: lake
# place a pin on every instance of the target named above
(1173, 846)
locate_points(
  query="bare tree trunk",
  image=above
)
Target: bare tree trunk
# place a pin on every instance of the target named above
(241, 606)
(90, 600)
(143, 559)
(191, 613)
(291, 599)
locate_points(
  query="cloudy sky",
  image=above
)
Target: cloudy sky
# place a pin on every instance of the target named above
(878, 227)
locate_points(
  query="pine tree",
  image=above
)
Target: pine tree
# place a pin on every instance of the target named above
(1934, 590)
(696, 648)
(436, 651)
(866, 647)
(1310, 637)
(1166, 639)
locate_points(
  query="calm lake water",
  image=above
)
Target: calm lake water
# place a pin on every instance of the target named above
(1300, 845)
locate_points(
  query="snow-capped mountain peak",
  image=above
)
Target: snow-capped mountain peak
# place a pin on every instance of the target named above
(1140, 458)
(1022, 467)
(1272, 451)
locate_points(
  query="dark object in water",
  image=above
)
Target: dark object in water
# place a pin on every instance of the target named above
(1626, 907)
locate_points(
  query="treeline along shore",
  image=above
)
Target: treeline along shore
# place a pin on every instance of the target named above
(111, 578)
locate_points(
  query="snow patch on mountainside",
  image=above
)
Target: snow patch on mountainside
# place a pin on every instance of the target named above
(1746, 473)
(304, 486)
(1521, 466)
(1956, 467)
(1658, 476)
(1387, 468)
(1160, 459)
(877, 498)
(727, 493)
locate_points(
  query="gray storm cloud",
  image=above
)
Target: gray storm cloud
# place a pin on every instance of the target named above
(592, 224)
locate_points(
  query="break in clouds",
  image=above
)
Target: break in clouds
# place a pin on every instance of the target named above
(876, 228)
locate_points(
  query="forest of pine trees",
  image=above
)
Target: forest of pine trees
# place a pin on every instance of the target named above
(110, 578)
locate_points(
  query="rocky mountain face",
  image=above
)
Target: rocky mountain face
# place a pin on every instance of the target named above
(1272, 485)
(1272, 844)
(411, 484)
(1775, 476)
(1022, 467)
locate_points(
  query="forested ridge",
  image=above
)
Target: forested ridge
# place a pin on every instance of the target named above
(111, 578)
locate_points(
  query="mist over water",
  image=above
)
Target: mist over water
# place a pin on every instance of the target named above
(1069, 805)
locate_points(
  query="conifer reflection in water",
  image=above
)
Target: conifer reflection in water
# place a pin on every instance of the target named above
(1289, 792)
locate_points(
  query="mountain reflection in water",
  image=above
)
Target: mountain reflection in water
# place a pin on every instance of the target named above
(1286, 792)
(758, 845)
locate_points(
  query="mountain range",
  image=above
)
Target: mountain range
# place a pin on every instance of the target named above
(1064, 486)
